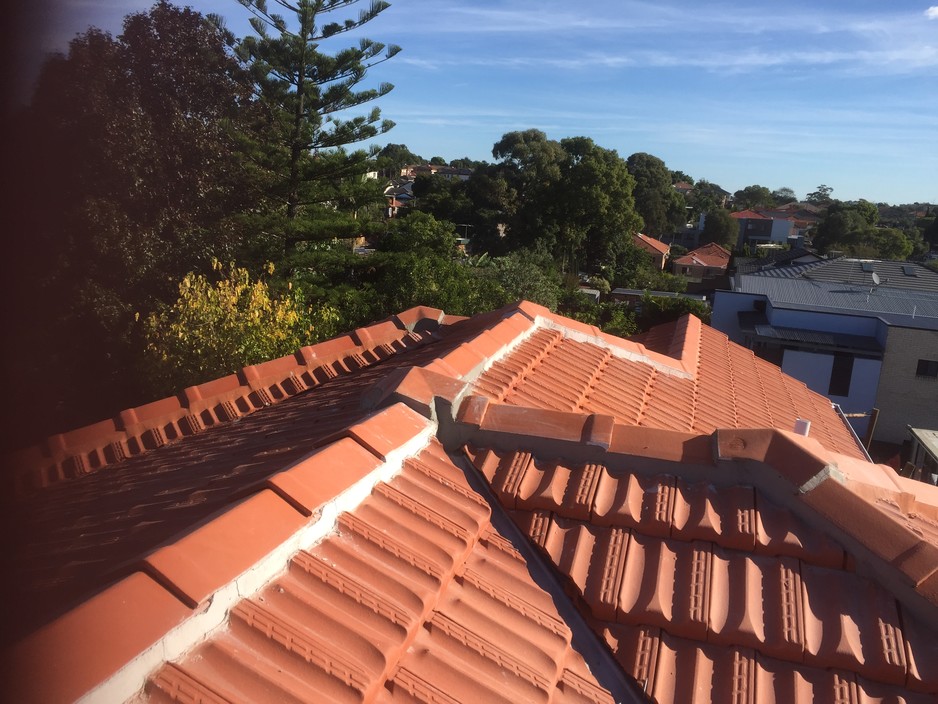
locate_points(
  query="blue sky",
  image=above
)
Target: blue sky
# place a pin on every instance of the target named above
(839, 92)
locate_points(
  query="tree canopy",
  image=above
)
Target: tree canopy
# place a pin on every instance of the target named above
(305, 96)
(720, 227)
(661, 207)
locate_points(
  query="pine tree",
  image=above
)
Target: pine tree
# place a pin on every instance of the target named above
(314, 185)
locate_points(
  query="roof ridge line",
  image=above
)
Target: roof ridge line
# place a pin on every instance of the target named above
(135, 431)
(168, 565)
(838, 492)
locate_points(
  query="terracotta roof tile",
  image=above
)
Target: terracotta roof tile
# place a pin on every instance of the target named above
(381, 611)
(650, 244)
(548, 371)
(608, 517)
(690, 564)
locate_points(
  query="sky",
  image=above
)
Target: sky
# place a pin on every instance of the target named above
(796, 94)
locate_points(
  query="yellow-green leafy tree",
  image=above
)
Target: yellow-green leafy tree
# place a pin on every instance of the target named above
(217, 327)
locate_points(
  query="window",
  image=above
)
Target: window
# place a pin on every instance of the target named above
(841, 371)
(927, 367)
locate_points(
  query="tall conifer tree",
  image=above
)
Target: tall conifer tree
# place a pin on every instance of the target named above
(314, 185)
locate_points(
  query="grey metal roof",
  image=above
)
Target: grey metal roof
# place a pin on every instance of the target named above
(907, 276)
(896, 306)
(900, 275)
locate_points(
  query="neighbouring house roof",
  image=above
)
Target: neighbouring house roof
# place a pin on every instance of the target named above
(907, 294)
(509, 507)
(749, 215)
(650, 244)
(710, 255)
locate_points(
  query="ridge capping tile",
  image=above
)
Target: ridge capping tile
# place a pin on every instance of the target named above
(324, 474)
(802, 461)
(686, 447)
(67, 658)
(390, 428)
(876, 531)
(420, 319)
(415, 387)
(199, 563)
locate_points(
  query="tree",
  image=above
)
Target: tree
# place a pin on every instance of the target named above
(572, 196)
(706, 197)
(720, 227)
(394, 157)
(215, 328)
(822, 196)
(752, 197)
(304, 94)
(528, 275)
(784, 195)
(421, 233)
(679, 176)
(661, 207)
(593, 206)
(868, 211)
(128, 173)
(657, 311)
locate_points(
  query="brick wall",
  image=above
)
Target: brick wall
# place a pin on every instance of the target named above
(904, 398)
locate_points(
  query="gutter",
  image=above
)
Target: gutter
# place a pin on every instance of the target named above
(840, 413)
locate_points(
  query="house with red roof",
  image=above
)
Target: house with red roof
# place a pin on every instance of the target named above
(705, 262)
(657, 249)
(510, 507)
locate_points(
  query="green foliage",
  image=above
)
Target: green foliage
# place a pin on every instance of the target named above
(394, 157)
(752, 197)
(706, 197)
(420, 233)
(635, 269)
(302, 93)
(127, 175)
(720, 227)
(609, 316)
(573, 196)
(214, 328)
(850, 228)
(679, 176)
(527, 275)
(822, 196)
(661, 207)
(784, 195)
(443, 198)
(656, 311)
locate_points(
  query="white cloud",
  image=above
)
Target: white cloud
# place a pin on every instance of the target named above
(932, 12)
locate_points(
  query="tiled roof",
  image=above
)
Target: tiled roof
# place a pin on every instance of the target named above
(496, 510)
(748, 215)
(714, 580)
(650, 244)
(711, 254)
(717, 384)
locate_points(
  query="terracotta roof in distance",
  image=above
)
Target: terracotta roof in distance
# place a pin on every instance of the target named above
(710, 254)
(650, 244)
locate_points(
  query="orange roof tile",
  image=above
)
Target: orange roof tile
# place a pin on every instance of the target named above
(509, 507)
(650, 244)
(711, 254)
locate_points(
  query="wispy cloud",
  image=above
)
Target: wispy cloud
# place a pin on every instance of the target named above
(932, 12)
